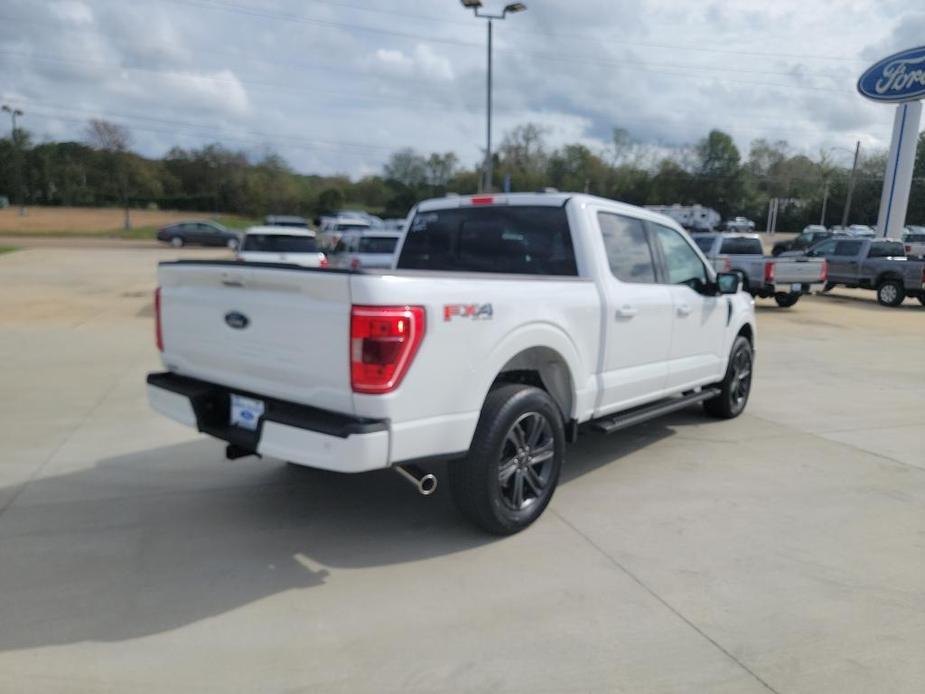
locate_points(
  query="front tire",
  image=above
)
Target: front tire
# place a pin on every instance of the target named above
(890, 293)
(509, 475)
(737, 383)
(176, 241)
(786, 300)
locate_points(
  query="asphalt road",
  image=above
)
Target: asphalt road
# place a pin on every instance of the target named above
(783, 551)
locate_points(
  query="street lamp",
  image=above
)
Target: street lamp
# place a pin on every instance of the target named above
(476, 6)
(13, 113)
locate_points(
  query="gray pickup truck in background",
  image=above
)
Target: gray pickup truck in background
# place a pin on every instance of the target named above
(878, 264)
(784, 279)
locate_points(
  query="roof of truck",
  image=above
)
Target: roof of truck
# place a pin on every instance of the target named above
(551, 199)
(280, 231)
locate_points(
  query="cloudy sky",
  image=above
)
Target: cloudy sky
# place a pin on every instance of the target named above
(335, 85)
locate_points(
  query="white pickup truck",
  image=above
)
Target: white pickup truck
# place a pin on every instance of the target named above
(508, 323)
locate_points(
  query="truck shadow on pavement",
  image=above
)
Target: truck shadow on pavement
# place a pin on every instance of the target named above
(149, 542)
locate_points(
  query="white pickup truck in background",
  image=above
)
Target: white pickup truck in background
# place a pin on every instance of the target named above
(507, 323)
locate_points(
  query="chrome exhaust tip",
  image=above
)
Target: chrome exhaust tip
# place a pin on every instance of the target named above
(424, 482)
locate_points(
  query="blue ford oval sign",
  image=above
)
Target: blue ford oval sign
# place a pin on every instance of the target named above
(236, 320)
(900, 77)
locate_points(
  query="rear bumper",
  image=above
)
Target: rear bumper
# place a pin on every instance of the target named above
(765, 290)
(292, 432)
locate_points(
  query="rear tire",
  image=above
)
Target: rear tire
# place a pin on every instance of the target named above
(921, 298)
(176, 241)
(232, 244)
(785, 300)
(736, 385)
(509, 475)
(890, 293)
(827, 287)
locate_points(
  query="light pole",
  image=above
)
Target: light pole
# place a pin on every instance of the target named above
(13, 139)
(476, 6)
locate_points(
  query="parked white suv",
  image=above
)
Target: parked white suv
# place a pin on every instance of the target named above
(509, 323)
(281, 244)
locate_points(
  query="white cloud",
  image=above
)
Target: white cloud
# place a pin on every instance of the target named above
(334, 88)
(72, 11)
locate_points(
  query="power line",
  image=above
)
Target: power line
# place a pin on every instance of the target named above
(268, 14)
(288, 87)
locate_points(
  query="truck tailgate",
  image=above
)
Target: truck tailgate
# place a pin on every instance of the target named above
(798, 270)
(274, 331)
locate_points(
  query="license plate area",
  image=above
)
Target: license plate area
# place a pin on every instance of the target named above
(796, 287)
(245, 413)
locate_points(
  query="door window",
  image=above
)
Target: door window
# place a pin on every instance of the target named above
(847, 248)
(627, 247)
(682, 262)
(825, 249)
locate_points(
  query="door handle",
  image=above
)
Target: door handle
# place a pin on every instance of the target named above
(627, 311)
(684, 310)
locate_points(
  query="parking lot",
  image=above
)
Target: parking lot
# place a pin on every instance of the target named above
(781, 551)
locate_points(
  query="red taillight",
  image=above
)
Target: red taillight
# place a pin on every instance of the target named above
(727, 264)
(158, 333)
(383, 342)
(768, 273)
(825, 270)
(483, 199)
(324, 262)
(355, 264)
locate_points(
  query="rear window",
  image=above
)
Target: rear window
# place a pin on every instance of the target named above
(279, 243)
(378, 244)
(741, 247)
(704, 243)
(886, 249)
(914, 238)
(517, 239)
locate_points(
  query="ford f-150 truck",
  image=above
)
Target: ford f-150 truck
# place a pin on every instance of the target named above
(507, 323)
(878, 264)
(784, 279)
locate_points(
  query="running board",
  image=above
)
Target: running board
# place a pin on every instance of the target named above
(622, 420)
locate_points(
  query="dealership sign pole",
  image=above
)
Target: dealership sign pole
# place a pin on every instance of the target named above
(899, 79)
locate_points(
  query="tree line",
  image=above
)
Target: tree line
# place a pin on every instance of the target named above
(102, 170)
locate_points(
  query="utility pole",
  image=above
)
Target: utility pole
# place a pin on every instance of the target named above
(825, 203)
(475, 6)
(854, 170)
(18, 159)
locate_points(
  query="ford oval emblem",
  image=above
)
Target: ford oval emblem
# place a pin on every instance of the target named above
(900, 77)
(236, 320)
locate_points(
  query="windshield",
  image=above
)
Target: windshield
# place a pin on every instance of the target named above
(378, 244)
(279, 243)
(504, 239)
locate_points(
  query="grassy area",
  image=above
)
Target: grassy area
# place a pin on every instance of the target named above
(59, 222)
(7, 249)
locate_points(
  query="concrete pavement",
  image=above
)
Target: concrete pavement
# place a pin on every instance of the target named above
(782, 551)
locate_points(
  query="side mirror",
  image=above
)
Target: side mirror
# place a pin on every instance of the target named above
(728, 282)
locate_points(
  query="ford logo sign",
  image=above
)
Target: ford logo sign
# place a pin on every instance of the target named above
(236, 320)
(900, 77)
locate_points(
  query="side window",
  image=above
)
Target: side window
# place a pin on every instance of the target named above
(826, 248)
(886, 249)
(847, 248)
(683, 264)
(627, 248)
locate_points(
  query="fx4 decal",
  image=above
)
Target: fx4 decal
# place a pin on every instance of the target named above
(472, 311)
